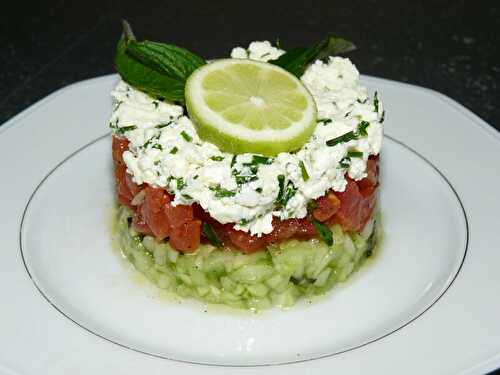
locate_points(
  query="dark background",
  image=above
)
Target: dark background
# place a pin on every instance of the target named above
(449, 46)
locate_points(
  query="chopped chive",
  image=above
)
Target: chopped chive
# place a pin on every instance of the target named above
(187, 196)
(174, 150)
(324, 232)
(158, 146)
(286, 192)
(362, 101)
(244, 179)
(155, 103)
(211, 235)
(195, 177)
(362, 126)
(345, 162)
(160, 126)
(349, 136)
(221, 192)
(117, 105)
(281, 183)
(382, 118)
(325, 121)
(124, 129)
(217, 158)
(354, 154)
(375, 101)
(258, 190)
(244, 221)
(254, 169)
(180, 183)
(186, 136)
(303, 171)
(233, 161)
(257, 159)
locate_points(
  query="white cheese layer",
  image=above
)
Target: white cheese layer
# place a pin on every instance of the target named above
(165, 150)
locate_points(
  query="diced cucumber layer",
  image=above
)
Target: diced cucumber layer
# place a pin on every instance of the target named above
(277, 276)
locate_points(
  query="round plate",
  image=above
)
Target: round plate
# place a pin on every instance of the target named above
(73, 298)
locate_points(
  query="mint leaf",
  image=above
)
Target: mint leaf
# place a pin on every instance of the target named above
(298, 59)
(158, 69)
(175, 62)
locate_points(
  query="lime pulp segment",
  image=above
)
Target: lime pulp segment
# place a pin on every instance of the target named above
(249, 106)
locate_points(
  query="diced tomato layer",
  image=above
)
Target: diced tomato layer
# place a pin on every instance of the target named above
(186, 237)
(327, 206)
(140, 225)
(181, 224)
(120, 145)
(152, 211)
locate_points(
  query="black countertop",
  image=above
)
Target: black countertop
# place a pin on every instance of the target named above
(449, 46)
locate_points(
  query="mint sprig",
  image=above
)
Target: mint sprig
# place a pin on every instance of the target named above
(298, 59)
(159, 69)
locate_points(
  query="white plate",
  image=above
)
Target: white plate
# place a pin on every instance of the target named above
(426, 304)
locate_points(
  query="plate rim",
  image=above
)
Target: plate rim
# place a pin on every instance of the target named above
(407, 322)
(488, 364)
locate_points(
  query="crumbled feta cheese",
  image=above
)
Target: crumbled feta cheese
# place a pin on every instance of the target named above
(260, 51)
(166, 151)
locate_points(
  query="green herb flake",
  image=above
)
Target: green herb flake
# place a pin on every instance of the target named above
(187, 197)
(156, 104)
(303, 171)
(349, 136)
(258, 159)
(233, 161)
(180, 183)
(285, 192)
(362, 126)
(382, 118)
(258, 190)
(375, 101)
(158, 146)
(324, 232)
(186, 136)
(117, 105)
(161, 126)
(240, 180)
(362, 101)
(354, 154)
(221, 192)
(311, 205)
(217, 158)
(345, 162)
(195, 177)
(124, 129)
(244, 222)
(174, 150)
(281, 184)
(325, 121)
(211, 235)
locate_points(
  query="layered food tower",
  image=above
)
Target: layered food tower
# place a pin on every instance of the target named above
(249, 181)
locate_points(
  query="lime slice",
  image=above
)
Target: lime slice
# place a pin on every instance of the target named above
(249, 106)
